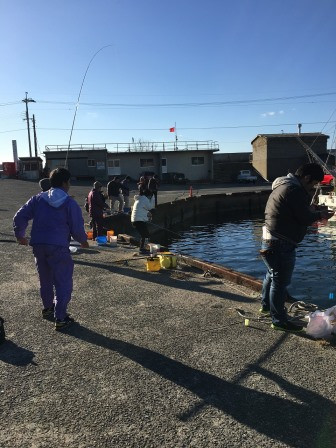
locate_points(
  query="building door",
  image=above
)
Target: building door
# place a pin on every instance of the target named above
(113, 167)
(163, 166)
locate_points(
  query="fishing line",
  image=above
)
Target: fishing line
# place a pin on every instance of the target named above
(78, 99)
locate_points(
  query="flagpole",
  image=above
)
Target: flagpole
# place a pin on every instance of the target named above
(175, 136)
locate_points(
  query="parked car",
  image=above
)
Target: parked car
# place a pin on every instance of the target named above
(246, 176)
(174, 178)
(328, 179)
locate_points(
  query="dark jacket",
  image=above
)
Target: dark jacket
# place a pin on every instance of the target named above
(153, 184)
(113, 188)
(287, 212)
(125, 189)
(96, 203)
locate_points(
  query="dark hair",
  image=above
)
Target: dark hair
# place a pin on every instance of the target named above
(310, 169)
(147, 192)
(58, 176)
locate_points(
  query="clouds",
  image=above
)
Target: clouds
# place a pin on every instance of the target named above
(271, 114)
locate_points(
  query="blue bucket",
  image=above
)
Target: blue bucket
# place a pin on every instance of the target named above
(127, 209)
(101, 240)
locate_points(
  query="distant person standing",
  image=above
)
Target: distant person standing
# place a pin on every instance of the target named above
(153, 186)
(56, 218)
(141, 215)
(114, 193)
(142, 185)
(125, 189)
(96, 209)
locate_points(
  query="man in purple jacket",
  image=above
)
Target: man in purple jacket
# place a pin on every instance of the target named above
(56, 217)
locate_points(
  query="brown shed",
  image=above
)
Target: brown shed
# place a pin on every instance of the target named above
(276, 155)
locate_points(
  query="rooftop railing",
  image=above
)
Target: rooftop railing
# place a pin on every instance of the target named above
(190, 145)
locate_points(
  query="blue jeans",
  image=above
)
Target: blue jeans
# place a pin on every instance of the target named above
(279, 257)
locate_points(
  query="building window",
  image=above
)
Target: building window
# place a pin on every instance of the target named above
(197, 160)
(91, 163)
(113, 163)
(146, 163)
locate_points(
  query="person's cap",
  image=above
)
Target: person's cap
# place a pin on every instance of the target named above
(45, 184)
(97, 185)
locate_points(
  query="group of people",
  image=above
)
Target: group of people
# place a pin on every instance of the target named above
(57, 217)
(119, 192)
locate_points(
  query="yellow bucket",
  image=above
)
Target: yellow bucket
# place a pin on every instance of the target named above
(109, 233)
(153, 264)
(167, 260)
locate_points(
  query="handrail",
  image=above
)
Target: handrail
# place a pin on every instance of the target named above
(140, 146)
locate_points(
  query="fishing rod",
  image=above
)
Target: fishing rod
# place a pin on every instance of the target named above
(77, 104)
(164, 228)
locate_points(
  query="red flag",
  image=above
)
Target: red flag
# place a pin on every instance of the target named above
(171, 129)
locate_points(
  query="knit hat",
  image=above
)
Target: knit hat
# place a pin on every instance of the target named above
(45, 184)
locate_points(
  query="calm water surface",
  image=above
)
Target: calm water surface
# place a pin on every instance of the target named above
(236, 245)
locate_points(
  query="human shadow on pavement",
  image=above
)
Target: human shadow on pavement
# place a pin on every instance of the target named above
(163, 279)
(11, 353)
(306, 419)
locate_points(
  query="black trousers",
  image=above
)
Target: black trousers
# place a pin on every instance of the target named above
(97, 225)
(142, 228)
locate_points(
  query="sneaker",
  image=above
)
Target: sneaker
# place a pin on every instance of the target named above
(60, 324)
(287, 326)
(48, 313)
(264, 312)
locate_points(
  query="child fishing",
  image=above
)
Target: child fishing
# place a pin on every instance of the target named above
(56, 218)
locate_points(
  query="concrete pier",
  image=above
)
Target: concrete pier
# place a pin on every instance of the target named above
(156, 359)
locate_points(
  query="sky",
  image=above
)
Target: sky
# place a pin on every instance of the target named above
(221, 70)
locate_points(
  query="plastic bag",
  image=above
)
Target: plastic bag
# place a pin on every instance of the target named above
(322, 324)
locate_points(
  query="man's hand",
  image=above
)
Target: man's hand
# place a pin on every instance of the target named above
(84, 245)
(22, 241)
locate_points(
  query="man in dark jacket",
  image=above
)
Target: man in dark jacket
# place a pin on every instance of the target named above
(153, 186)
(288, 213)
(96, 209)
(114, 194)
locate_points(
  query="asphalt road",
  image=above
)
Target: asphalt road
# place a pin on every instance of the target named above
(156, 359)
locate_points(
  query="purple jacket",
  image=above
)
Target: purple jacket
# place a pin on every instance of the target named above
(56, 217)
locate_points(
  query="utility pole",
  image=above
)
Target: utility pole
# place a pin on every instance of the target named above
(28, 100)
(35, 139)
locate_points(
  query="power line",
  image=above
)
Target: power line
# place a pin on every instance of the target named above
(186, 128)
(193, 104)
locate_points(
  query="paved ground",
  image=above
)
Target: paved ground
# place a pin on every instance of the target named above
(156, 360)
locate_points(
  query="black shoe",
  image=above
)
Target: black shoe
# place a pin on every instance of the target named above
(287, 326)
(48, 313)
(60, 324)
(2, 331)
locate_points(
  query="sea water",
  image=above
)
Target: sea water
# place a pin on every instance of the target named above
(236, 245)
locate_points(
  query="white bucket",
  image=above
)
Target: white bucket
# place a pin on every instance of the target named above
(113, 241)
(154, 249)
